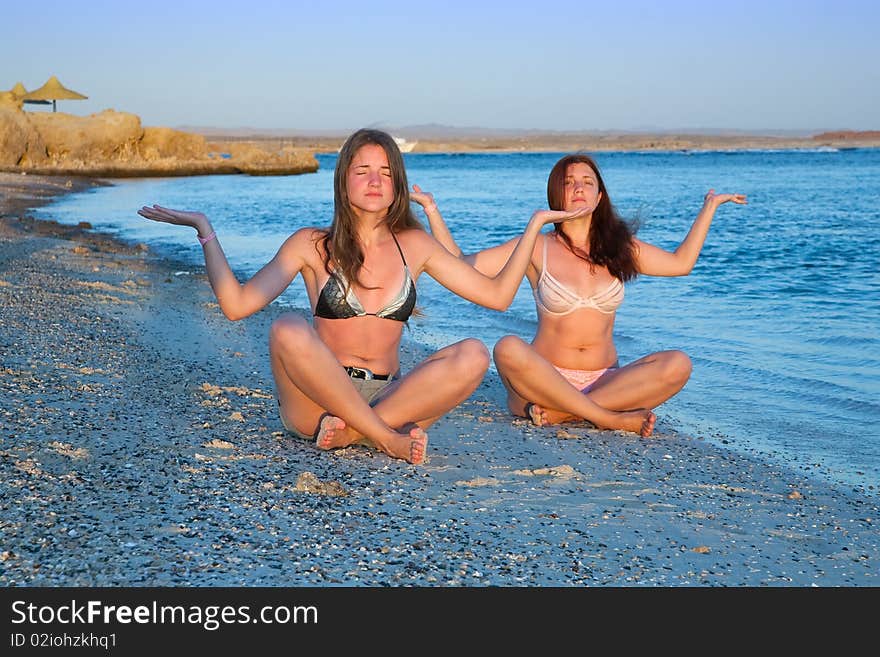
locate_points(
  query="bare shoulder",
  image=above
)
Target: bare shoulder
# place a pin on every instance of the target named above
(307, 235)
(418, 247)
(640, 245)
(414, 235)
(301, 249)
(304, 241)
(417, 241)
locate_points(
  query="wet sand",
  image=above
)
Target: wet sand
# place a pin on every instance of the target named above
(141, 446)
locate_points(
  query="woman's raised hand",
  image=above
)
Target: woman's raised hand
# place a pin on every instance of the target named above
(425, 199)
(559, 216)
(196, 220)
(718, 199)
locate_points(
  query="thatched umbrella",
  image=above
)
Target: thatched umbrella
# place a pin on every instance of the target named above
(18, 92)
(53, 90)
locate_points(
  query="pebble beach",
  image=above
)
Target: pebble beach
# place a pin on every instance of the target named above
(141, 446)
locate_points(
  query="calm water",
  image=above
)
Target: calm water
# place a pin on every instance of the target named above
(780, 314)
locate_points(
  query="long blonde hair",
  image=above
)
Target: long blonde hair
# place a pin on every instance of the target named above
(340, 243)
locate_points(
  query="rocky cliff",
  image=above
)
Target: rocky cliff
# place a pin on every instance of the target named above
(114, 144)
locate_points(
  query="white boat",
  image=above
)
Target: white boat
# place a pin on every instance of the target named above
(404, 145)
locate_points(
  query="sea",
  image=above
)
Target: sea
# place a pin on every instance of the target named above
(780, 315)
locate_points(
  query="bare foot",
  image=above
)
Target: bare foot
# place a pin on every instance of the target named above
(332, 433)
(418, 445)
(640, 422)
(536, 414)
(411, 447)
(648, 426)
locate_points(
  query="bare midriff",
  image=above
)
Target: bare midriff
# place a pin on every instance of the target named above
(369, 342)
(583, 340)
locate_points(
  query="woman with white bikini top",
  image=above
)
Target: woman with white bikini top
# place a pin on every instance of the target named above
(570, 370)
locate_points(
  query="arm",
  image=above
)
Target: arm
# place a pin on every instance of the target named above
(238, 301)
(654, 261)
(494, 292)
(439, 229)
(488, 261)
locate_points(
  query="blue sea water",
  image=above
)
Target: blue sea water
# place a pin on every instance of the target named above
(780, 314)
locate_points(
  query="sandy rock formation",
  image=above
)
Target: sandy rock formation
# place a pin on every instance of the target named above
(845, 138)
(13, 137)
(21, 145)
(9, 99)
(81, 140)
(261, 159)
(114, 144)
(162, 143)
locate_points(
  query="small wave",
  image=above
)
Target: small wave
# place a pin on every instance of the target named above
(727, 151)
(817, 149)
(843, 340)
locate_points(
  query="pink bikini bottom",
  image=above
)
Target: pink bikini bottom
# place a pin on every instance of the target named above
(583, 380)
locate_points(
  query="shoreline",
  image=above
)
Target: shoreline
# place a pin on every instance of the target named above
(77, 175)
(142, 427)
(569, 142)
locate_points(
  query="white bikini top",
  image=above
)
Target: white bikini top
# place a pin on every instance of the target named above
(554, 298)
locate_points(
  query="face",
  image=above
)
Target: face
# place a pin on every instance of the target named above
(370, 187)
(581, 187)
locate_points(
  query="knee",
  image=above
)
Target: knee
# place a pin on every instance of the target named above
(677, 367)
(289, 332)
(472, 358)
(508, 351)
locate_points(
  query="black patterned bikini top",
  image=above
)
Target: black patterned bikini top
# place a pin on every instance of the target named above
(335, 303)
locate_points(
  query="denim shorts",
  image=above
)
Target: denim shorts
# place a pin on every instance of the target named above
(369, 389)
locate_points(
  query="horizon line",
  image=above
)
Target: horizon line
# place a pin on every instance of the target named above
(453, 130)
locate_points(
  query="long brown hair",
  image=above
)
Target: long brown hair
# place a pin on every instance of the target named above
(611, 238)
(340, 242)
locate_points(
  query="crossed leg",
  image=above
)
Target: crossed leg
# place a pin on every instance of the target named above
(317, 395)
(311, 384)
(432, 388)
(646, 382)
(536, 389)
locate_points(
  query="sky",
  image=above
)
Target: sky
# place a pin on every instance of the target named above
(533, 65)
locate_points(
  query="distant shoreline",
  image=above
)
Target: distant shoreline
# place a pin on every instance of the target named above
(571, 142)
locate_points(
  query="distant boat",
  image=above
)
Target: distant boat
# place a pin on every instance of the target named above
(404, 145)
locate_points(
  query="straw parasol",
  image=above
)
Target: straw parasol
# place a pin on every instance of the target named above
(53, 90)
(18, 90)
(17, 94)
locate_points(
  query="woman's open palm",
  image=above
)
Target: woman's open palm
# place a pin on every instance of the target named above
(560, 216)
(169, 216)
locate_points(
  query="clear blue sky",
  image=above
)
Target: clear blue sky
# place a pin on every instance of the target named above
(563, 65)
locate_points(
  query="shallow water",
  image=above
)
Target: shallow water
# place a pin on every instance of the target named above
(780, 315)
